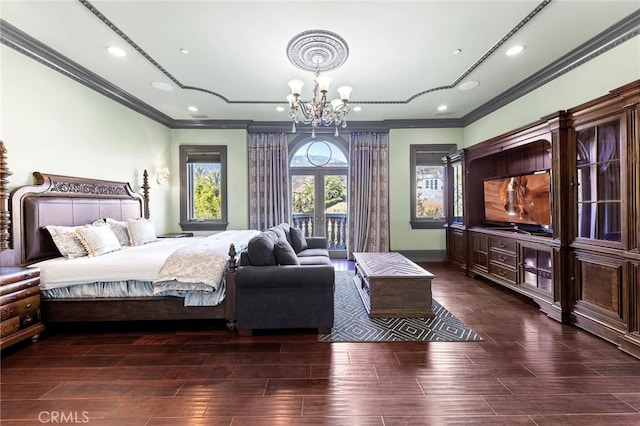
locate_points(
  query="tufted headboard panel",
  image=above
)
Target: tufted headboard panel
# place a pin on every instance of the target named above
(65, 201)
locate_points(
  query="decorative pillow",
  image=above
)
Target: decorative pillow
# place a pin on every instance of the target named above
(120, 229)
(285, 255)
(278, 231)
(285, 227)
(260, 250)
(298, 242)
(141, 231)
(66, 241)
(98, 240)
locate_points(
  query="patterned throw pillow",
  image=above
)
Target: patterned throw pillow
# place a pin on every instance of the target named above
(66, 241)
(98, 240)
(120, 229)
(141, 231)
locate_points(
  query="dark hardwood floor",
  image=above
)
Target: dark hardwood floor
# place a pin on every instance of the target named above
(530, 370)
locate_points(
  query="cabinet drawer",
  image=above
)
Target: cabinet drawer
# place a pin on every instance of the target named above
(19, 285)
(15, 274)
(21, 306)
(22, 294)
(505, 244)
(15, 324)
(504, 258)
(503, 272)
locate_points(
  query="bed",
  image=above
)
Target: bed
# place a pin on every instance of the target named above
(119, 285)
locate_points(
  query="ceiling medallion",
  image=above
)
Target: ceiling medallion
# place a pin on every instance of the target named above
(317, 50)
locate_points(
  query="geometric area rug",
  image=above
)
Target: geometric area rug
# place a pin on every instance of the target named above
(352, 324)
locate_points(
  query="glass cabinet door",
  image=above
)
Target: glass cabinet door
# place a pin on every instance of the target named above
(457, 193)
(599, 182)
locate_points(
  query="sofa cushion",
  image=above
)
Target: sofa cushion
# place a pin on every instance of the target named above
(298, 242)
(285, 255)
(314, 260)
(260, 250)
(314, 252)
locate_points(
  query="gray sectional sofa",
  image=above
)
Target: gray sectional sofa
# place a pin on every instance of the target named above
(284, 281)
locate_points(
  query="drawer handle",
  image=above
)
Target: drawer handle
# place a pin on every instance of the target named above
(502, 258)
(28, 305)
(501, 244)
(502, 273)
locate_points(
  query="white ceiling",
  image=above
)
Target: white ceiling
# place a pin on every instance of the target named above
(237, 67)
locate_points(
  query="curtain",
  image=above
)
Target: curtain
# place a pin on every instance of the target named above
(268, 180)
(369, 195)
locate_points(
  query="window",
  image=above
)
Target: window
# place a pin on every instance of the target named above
(428, 185)
(203, 187)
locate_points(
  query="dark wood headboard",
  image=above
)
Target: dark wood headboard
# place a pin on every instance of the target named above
(66, 201)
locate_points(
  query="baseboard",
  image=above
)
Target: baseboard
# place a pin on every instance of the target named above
(424, 255)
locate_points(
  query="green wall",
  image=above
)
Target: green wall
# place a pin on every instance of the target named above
(52, 124)
(402, 236)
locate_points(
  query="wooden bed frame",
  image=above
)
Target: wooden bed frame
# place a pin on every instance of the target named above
(73, 201)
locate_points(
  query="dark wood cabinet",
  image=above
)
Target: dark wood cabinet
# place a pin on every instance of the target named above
(19, 305)
(585, 269)
(479, 253)
(604, 248)
(506, 254)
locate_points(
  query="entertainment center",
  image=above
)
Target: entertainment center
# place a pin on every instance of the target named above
(551, 211)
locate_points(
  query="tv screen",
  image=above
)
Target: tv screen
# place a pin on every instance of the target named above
(523, 199)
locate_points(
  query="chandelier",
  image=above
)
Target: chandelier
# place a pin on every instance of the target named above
(317, 51)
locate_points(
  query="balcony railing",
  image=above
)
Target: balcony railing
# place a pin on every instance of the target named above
(335, 228)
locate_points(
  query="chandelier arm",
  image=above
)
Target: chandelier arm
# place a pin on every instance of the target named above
(318, 111)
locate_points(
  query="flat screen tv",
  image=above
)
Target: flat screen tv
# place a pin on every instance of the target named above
(522, 201)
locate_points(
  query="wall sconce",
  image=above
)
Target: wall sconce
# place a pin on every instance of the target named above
(163, 175)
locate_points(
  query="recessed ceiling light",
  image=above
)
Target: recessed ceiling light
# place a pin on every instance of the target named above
(280, 108)
(442, 108)
(457, 52)
(357, 109)
(192, 108)
(116, 51)
(468, 85)
(161, 85)
(185, 51)
(514, 50)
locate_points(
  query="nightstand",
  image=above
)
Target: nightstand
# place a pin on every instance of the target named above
(176, 235)
(19, 305)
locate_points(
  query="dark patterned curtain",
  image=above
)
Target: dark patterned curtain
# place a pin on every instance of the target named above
(369, 193)
(268, 180)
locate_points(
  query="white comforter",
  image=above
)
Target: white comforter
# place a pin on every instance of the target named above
(142, 263)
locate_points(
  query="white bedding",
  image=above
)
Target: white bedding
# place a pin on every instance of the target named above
(142, 263)
(200, 266)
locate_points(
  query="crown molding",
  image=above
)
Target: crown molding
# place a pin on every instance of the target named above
(20, 41)
(624, 30)
(210, 124)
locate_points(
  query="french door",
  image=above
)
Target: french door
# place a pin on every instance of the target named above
(319, 206)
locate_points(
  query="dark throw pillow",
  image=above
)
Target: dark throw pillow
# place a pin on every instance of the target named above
(285, 255)
(260, 250)
(298, 242)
